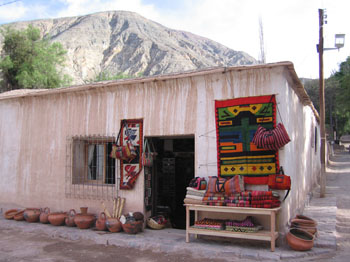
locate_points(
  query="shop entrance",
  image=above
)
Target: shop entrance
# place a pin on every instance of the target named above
(170, 174)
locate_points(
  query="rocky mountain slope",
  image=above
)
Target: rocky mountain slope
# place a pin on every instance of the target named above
(125, 42)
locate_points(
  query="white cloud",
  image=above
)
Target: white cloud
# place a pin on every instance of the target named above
(12, 12)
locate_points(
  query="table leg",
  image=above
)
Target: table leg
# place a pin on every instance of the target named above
(195, 219)
(187, 223)
(273, 230)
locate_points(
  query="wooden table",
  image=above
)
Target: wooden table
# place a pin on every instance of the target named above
(266, 235)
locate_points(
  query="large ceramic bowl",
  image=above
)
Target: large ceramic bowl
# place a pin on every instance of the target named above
(299, 239)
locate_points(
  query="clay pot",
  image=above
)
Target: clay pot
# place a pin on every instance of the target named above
(9, 214)
(83, 210)
(44, 215)
(305, 223)
(84, 221)
(57, 218)
(132, 227)
(113, 224)
(19, 216)
(32, 215)
(300, 240)
(69, 220)
(101, 222)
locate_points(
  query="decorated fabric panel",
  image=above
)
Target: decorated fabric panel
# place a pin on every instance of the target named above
(129, 171)
(236, 123)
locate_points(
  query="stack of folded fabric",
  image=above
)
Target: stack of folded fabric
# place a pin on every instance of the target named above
(214, 199)
(194, 196)
(255, 199)
(209, 223)
(247, 225)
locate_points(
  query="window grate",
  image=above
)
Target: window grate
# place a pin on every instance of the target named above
(90, 172)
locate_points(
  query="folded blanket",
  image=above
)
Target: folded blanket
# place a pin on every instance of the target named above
(195, 190)
(192, 193)
(194, 197)
(193, 201)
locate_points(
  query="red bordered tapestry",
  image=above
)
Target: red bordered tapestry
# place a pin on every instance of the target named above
(236, 123)
(129, 171)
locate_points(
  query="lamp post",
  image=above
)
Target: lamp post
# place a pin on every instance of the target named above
(339, 43)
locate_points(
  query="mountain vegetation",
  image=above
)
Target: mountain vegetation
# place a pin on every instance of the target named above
(28, 61)
(124, 43)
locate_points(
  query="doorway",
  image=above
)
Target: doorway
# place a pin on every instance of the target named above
(171, 173)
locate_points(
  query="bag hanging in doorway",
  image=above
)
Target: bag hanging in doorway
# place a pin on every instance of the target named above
(147, 155)
(125, 152)
(272, 139)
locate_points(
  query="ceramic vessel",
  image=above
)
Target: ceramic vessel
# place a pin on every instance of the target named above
(19, 216)
(69, 220)
(57, 218)
(299, 239)
(84, 221)
(31, 215)
(44, 215)
(132, 227)
(83, 210)
(9, 214)
(305, 223)
(101, 222)
(113, 224)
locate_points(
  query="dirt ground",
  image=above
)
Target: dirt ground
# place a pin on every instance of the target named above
(25, 246)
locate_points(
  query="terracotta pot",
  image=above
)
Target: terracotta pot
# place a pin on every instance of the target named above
(113, 224)
(83, 210)
(84, 221)
(57, 218)
(19, 216)
(31, 215)
(70, 218)
(132, 227)
(305, 223)
(9, 214)
(299, 239)
(101, 222)
(44, 215)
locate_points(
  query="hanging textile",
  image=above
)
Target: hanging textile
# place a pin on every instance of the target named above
(236, 123)
(129, 171)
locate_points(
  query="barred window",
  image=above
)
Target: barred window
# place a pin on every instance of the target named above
(90, 171)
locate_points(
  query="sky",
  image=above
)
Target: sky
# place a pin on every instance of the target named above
(290, 27)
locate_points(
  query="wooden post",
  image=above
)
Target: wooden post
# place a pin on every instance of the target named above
(322, 106)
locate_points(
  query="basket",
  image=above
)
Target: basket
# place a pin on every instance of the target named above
(153, 224)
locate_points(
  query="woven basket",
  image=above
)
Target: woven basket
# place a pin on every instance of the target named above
(153, 224)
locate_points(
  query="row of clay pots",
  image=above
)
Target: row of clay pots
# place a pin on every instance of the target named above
(82, 220)
(302, 233)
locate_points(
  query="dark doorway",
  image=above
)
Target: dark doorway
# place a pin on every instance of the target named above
(172, 171)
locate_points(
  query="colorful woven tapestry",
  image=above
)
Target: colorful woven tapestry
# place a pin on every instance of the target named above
(236, 123)
(129, 171)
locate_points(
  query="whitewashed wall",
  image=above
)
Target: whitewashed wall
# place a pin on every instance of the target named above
(34, 129)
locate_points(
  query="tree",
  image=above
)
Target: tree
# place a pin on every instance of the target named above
(27, 61)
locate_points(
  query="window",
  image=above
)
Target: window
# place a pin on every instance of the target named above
(90, 170)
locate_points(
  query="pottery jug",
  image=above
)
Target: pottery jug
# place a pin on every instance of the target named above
(84, 221)
(300, 240)
(113, 224)
(57, 218)
(70, 218)
(101, 222)
(19, 216)
(32, 214)
(44, 215)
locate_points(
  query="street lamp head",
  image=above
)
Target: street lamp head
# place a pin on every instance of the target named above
(339, 40)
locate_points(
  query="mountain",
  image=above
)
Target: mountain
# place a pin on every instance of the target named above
(125, 42)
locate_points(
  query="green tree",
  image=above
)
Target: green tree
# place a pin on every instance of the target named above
(28, 61)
